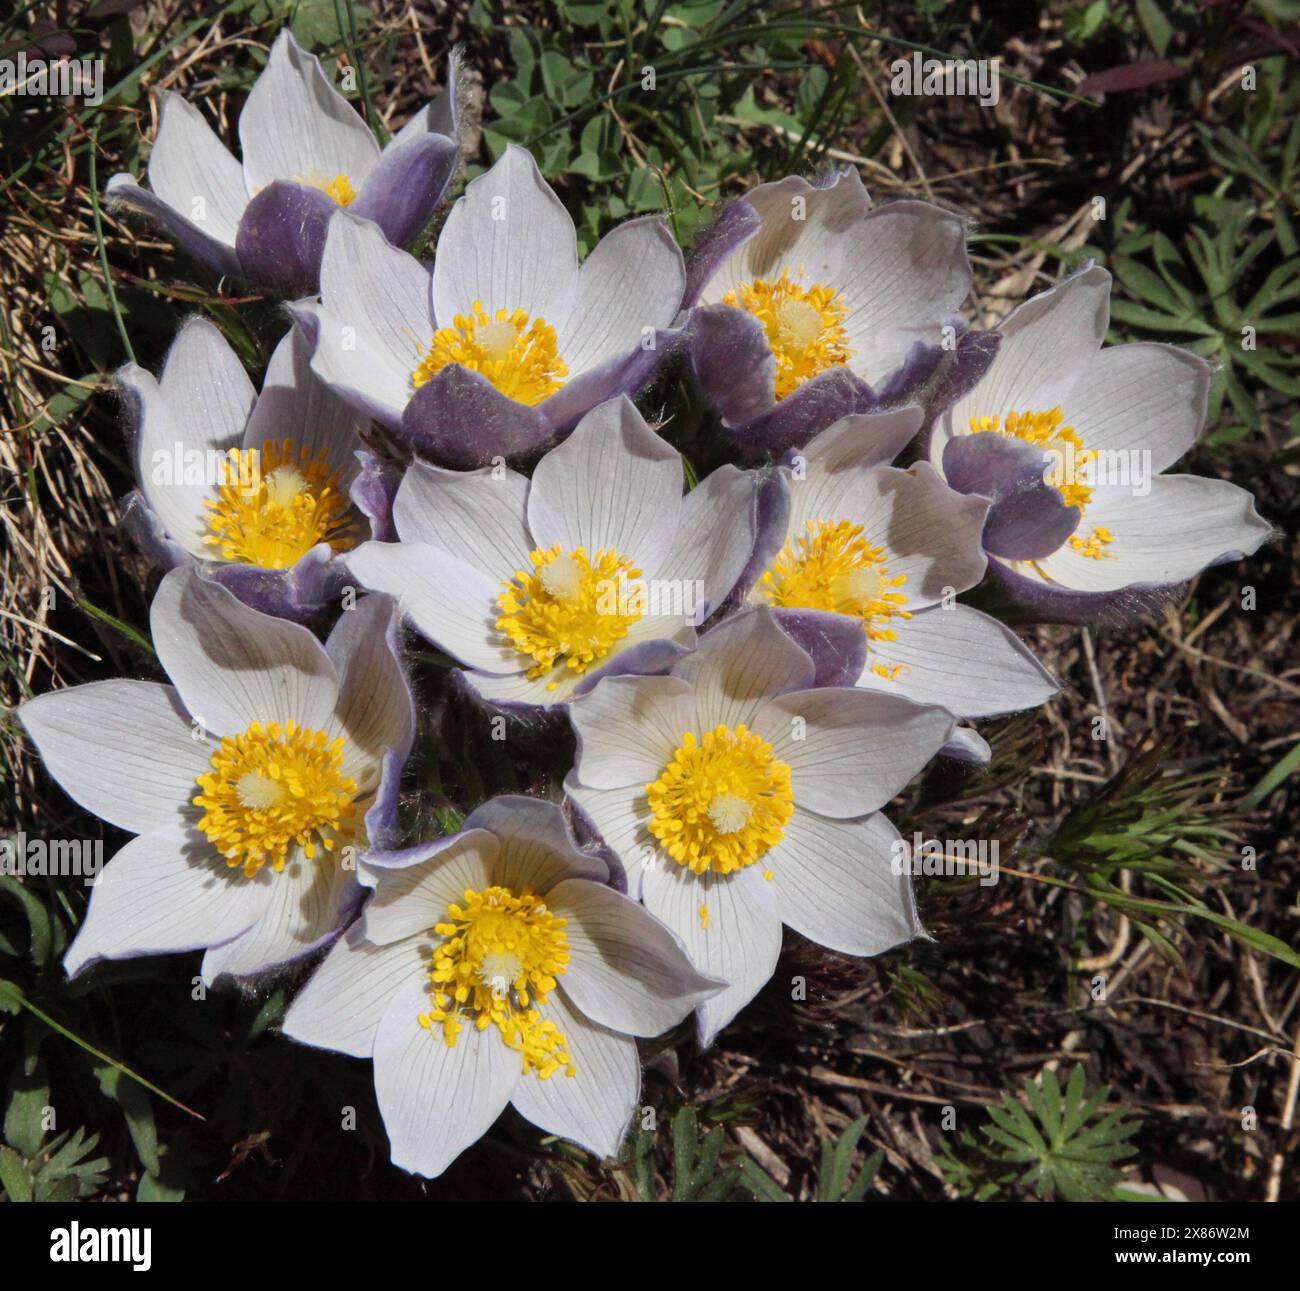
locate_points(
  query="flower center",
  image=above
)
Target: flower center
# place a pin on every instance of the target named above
(274, 508)
(273, 786)
(1071, 462)
(804, 326)
(496, 966)
(516, 353)
(569, 609)
(833, 567)
(722, 802)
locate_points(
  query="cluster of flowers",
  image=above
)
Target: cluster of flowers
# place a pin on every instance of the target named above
(753, 668)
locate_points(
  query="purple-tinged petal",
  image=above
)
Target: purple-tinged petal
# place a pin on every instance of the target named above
(298, 593)
(404, 189)
(772, 522)
(731, 361)
(967, 745)
(813, 407)
(962, 372)
(1050, 603)
(282, 237)
(459, 419)
(734, 227)
(373, 491)
(625, 374)
(141, 521)
(1028, 519)
(836, 643)
(201, 246)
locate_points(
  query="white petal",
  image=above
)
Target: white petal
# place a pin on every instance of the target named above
(344, 1001)
(620, 817)
(1185, 524)
(449, 602)
(739, 664)
(593, 1106)
(436, 1099)
(1144, 397)
(850, 751)
(376, 312)
(122, 749)
(966, 661)
(1047, 344)
(297, 406)
(537, 849)
(835, 883)
(613, 484)
(162, 893)
(194, 173)
(477, 516)
(410, 899)
(233, 665)
(375, 711)
(841, 452)
(508, 243)
(206, 387)
(348, 364)
(310, 900)
(295, 125)
(630, 284)
(626, 970)
(629, 728)
(742, 942)
(714, 541)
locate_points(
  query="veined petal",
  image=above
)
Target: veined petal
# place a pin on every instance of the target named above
(593, 1107)
(537, 849)
(730, 926)
(613, 484)
(508, 243)
(850, 751)
(739, 665)
(436, 1099)
(626, 971)
(965, 661)
(193, 172)
(629, 728)
(345, 999)
(295, 125)
(232, 665)
(714, 540)
(845, 884)
(122, 749)
(165, 892)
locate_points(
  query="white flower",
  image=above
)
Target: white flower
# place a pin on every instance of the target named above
(254, 781)
(306, 153)
(495, 967)
(598, 562)
(508, 340)
(1070, 442)
(892, 549)
(738, 798)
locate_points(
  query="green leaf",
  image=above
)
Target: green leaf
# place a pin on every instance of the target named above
(29, 1094)
(132, 1098)
(14, 1178)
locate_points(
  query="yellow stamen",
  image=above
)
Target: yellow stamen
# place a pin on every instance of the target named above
(273, 786)
(517, 354)
(722, 802)
(276, 505)
(496, 967)
(1095, 544)
(341, 190)
(804, 326)
(569, 610)
(833, 567)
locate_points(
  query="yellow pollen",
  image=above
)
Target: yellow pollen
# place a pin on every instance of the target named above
(341, 190)
(1070, 459)
(832, 567)
(517, 354)
(276, 505)
(1095, 544)
(804, 326)
(274, 786)
(496, 966)
(569, 610)
(704, 916)
(721, 802)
